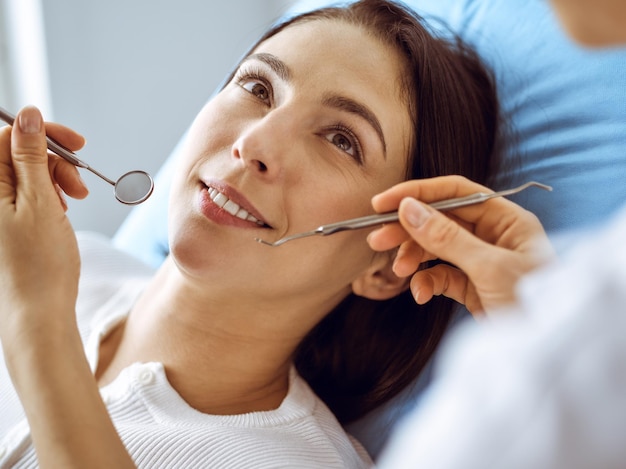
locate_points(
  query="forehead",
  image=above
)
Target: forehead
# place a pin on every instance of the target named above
(332, 56)
(336, 50)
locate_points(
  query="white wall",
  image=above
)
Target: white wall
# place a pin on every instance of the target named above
(25, 66)
(130, 75)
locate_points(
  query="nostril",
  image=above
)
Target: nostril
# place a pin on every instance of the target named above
(262, 167)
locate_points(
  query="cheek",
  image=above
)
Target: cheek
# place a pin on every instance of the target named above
(215, 126)
(322, 267)
(343, 255)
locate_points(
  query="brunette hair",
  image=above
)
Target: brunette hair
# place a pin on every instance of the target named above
(364, 352)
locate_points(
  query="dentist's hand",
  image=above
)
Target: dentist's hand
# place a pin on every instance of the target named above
(40, 263)
(39, 270)
(490, 245)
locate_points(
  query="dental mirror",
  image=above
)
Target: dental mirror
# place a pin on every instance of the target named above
(132, 188)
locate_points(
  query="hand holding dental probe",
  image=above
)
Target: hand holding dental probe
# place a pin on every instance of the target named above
(487, 247)
(132, 188)
(382, 218)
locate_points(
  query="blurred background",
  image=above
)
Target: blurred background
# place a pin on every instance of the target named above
(129, 75)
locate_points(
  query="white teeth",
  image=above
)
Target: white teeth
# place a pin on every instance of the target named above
(231, 207)
(220, 199)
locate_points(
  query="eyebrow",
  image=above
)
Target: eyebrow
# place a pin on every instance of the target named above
(278, 66)
(335, 101)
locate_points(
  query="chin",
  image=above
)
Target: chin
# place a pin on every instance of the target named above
(190, 248)
(202, 254)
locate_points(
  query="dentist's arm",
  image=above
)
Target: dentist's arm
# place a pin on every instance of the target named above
(489, 246)
(70, 426)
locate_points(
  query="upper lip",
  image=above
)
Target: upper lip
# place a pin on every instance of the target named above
(237, 197)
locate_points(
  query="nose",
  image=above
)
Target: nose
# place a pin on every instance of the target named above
(266, 145)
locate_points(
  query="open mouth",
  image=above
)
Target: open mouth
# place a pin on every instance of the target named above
(222, 201)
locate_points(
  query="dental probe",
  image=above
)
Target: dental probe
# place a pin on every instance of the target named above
(381, 218)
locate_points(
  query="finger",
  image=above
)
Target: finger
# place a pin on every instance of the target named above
(513, 227)
(387, 237)
(445, 280)
(443, 237)
(392, 235)
(427, 190)
(490, 214)
(409, 257)
(30, 156)
(7, 177)
(67, 137)
(67, 177)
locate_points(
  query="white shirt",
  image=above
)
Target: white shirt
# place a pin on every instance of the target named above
(541, 387)
(157, 426)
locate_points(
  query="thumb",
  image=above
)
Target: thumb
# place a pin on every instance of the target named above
(441, 236)
(29, 153)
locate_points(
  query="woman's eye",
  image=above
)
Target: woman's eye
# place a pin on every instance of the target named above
(257, 89)
(344, 142)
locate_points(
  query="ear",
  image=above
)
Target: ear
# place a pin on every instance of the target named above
(378, 281)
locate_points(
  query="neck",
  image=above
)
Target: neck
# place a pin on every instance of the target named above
(221, 360)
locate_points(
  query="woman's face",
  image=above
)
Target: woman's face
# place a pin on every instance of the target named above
(311, 127)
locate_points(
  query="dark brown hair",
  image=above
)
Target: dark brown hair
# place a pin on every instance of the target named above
(364, 352)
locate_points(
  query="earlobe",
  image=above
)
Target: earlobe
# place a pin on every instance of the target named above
(379, 282)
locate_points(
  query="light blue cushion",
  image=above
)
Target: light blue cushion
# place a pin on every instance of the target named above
(566, 105)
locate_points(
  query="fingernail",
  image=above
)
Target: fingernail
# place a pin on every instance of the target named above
(30, 120)
(416, 214)
(394, 267)
(416, 295)
(82, 181)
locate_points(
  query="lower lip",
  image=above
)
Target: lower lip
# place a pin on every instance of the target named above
(218, 214)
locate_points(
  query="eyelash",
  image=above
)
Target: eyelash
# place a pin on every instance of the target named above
(245, 75)
(249, 74)
(349, 134)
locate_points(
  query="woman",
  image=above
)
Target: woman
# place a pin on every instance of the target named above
(197, 362)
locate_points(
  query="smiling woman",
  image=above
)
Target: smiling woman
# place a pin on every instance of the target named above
(233, 351)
